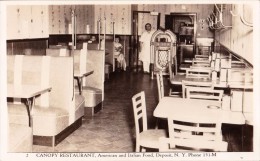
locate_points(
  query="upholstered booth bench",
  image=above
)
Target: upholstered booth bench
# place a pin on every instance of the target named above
(86, 59)
(55, 114)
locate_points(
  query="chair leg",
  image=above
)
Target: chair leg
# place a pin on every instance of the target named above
(137, 148)
(156, 123)
(92, 111)
(171, 93)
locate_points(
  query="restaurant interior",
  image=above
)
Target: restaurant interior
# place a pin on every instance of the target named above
(66, 89)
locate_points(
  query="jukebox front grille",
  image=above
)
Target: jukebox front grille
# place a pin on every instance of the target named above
(162, 58)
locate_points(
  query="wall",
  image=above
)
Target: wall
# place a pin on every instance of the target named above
(25, 21)
(121, 14)
(202, 10)
(60, 18)
(239, 38)
(27, 47)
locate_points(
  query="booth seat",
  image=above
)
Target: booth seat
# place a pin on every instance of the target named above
(93, 88)
(93, 85)
(85, 60)
(79, 67)
(57, 113)
(110, 61)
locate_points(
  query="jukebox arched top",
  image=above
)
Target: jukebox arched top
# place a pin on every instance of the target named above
(160, 36)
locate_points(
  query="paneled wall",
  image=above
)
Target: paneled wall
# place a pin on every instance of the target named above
(25, 21)
(119, 14)
(239, 38)
(88, 17)
(202, 10)
(144, 18)
(60, 19)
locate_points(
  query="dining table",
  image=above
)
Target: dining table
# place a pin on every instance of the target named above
(202, 111)
(177, 80)
(27, 92)
(197, 109)
(79, 77)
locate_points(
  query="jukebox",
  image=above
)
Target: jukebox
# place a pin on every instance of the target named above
(163, 51)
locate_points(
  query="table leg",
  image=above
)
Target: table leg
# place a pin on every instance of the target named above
(79, 80)
(29, 105)
(242, 141)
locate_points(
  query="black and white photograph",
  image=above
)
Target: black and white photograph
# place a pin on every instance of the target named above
(129, 80)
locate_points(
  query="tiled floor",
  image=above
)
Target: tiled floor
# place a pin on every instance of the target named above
(112, 129)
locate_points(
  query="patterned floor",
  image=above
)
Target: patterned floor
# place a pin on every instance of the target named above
(112, 129)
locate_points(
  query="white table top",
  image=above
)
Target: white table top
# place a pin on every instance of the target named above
(177, 80)
(197, 110)
(25, 91)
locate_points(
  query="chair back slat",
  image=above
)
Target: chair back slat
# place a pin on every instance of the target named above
(198, 73)
(185, 84)
(195, 135)
(204, 62)
(204, 93)
(160, 85)
(205, 57)
(139, 108)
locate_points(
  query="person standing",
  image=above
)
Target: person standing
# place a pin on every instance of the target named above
(145, 47)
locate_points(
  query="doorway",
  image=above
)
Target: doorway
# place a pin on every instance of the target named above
(184, 26)
(140, 18)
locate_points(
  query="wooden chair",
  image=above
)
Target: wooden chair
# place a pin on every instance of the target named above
(203, 57)
(193, 135)
(201, 62)
(206, 67)
(171, 92)
(145, 138)
(160, 85)
(201, 85)
(204, 93)
(198, 73)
